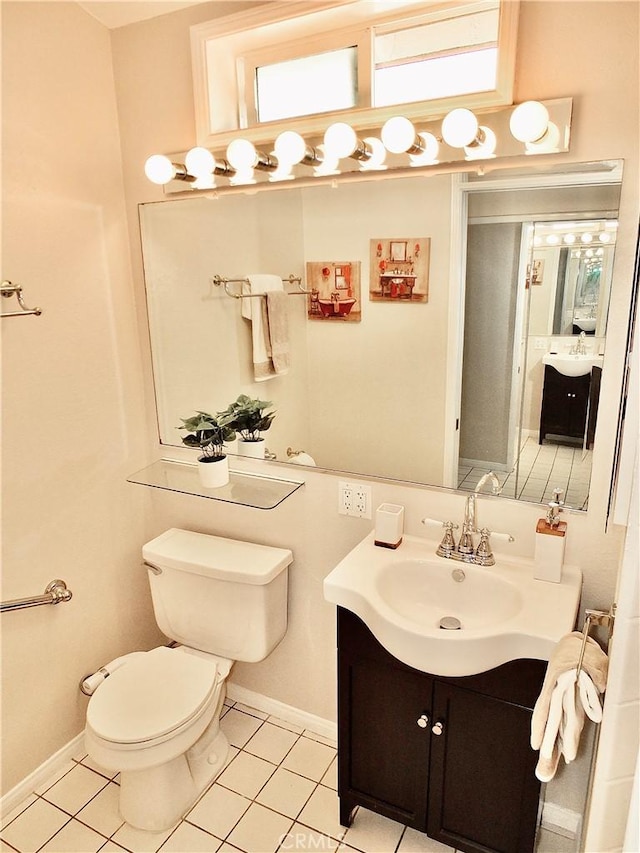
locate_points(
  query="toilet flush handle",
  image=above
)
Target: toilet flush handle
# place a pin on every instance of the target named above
(154, 569)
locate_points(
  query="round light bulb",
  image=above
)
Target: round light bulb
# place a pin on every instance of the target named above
(290, 147)
(159, 169)
(529, 121)
(340, 140)
(242, 154)
(398, 135)
(569, 239)
(430, 149)
(587, 237)
(460, 128)
(486, 148)
(552, 240)
(604, 237)
(547, 143)
(200, 162)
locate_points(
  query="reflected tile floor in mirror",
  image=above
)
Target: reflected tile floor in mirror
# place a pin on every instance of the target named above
(542, 468)
(277, 793)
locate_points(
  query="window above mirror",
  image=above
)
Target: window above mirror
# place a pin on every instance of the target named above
(295, 64)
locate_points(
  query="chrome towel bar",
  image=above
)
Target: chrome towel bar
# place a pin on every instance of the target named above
(218, 280)
(55, 592)
(7, 289)
(594, 617)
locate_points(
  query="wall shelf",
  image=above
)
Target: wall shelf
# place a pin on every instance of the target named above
(252, 490)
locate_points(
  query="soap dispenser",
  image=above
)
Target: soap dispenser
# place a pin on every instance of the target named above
(550, 541)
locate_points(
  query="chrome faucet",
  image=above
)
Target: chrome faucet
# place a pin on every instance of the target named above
(496, 488)
(579, 348)
(466, 549)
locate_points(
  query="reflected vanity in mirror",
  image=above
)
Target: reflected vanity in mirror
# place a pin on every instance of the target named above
(373, 398)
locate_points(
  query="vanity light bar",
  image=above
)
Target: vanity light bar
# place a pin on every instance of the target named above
(533, 127)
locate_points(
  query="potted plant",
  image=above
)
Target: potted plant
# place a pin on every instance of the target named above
(248, 417)
(209, 433)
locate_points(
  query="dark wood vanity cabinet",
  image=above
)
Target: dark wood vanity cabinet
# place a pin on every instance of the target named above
(565, 402)
(447, 756)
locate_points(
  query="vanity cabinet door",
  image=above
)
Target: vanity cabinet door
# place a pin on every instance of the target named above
(564, 404)
(483, 793)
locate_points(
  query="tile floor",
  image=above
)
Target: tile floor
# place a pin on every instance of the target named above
(542, 468)
(276, 793)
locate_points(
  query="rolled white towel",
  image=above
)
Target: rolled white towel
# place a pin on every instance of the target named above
(303, 459)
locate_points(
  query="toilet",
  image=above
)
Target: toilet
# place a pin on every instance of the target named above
(155, 716)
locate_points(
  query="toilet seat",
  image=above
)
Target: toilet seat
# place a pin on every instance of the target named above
(155, 696)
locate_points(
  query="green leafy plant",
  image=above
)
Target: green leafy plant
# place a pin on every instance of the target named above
(207, 432)
(248, 417)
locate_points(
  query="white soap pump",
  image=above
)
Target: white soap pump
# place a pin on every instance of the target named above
(550, 541)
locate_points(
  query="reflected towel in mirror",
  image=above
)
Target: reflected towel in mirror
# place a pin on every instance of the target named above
(255, 310)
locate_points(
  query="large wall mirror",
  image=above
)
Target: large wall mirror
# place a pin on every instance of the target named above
(368, 390)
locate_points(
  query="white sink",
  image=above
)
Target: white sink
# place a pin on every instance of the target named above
(572, 364)
(504, 613)
(587, 324)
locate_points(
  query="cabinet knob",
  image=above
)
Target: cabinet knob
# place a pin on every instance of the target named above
(423, 721)
(438, 728)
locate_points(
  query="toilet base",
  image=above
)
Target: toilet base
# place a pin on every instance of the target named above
(156, 798)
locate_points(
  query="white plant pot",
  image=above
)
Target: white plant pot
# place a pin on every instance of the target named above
(214, 471)
(255, 449)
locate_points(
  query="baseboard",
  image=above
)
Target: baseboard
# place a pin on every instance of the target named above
(45, 771)
(315, 724)
(560, 820)
(56, 762)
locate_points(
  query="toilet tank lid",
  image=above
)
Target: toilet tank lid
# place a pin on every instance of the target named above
(216, 556)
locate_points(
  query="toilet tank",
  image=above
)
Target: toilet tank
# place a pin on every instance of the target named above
(218, 595)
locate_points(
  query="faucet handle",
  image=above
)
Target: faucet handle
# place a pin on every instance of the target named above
(484, 554)
(448, 544)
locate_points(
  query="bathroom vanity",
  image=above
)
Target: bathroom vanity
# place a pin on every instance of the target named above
(569, 404)
(446, 756)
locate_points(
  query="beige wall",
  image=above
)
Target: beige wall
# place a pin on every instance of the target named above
(109, 520)
(72, 390)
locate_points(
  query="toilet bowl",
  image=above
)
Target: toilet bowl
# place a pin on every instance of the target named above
(155, 716)
(157, 721)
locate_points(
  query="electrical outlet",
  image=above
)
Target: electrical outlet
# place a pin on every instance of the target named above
(354, 499)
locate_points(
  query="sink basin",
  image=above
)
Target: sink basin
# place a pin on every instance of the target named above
(422, 592)
(503, 612)
(572, 364)
(587, 324)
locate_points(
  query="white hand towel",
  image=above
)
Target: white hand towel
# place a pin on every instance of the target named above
(255, 309)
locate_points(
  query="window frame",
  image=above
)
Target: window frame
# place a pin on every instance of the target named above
(217, 111)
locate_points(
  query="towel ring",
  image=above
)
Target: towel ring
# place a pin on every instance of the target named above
(594, 617)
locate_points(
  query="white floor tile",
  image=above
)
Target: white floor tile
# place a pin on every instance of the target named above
(301, 838)
(218, 811)
(260, 830)
(286, 792)
(112, 847)
(330, 778)
(327, 741)
(75, 837)
(309, 758)
(271, 743)
(75, 789)
(139, 841)
(253, 712)
(191, 839)
(34, 827)
(87, 761)
(322, 813)
(246, 774)
(239, 727)
(417, 842)
(285, 724)
(7, 817)
(373, 833)
(62, 771)
(101, 813)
